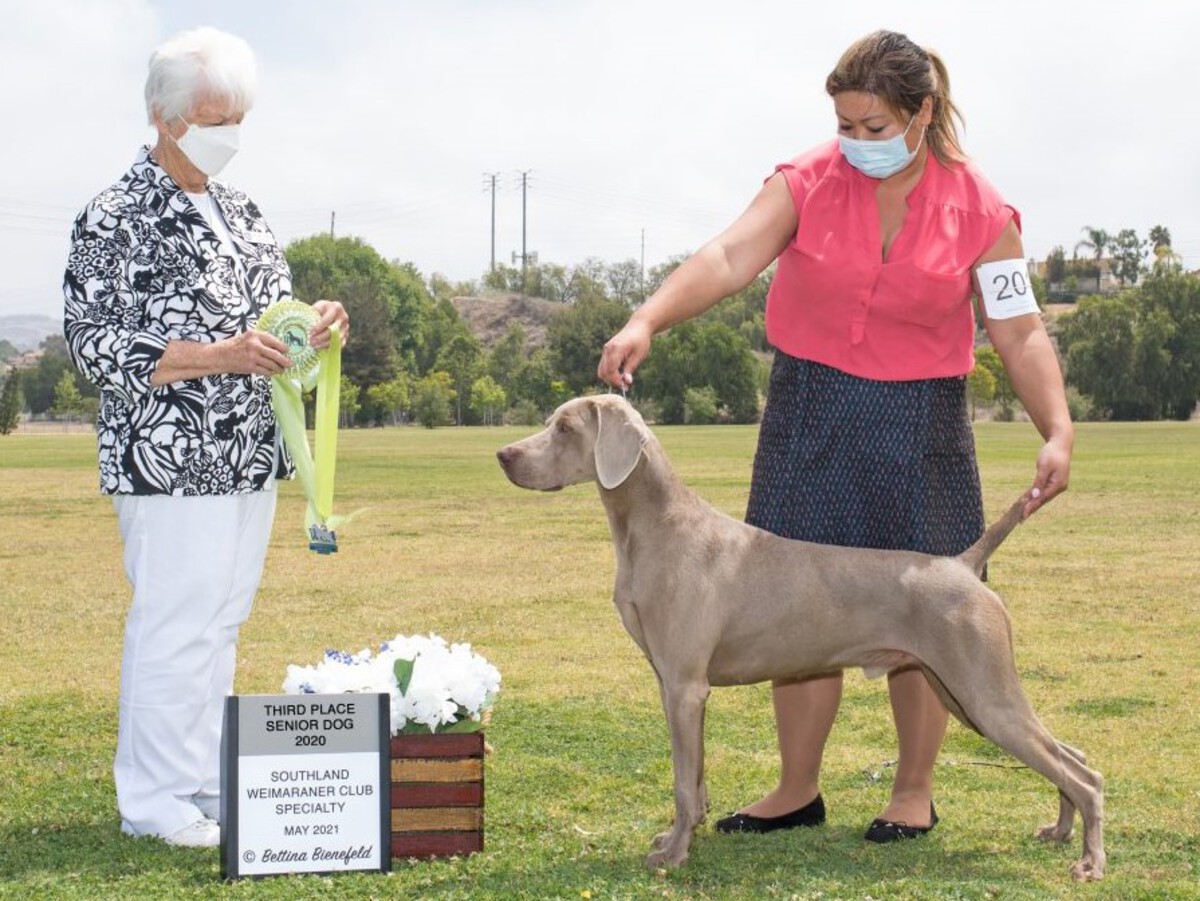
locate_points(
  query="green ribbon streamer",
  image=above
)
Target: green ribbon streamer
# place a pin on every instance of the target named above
(291, 322)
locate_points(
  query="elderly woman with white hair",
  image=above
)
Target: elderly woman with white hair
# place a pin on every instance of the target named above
(168, 273)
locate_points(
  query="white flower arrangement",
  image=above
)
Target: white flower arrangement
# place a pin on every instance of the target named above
(435, 686)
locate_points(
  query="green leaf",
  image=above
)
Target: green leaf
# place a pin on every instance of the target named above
(404, 672)
(463, 726)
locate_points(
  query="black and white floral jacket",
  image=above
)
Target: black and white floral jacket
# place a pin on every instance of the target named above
(145, 268)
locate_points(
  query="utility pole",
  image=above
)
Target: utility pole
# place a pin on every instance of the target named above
(643, 280)
(524, 253)
(491, 184)
(332, 216)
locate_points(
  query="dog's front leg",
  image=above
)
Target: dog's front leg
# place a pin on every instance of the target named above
(683, 703)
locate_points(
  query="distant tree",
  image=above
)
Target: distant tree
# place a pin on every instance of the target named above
(348, 270)
(1137, 355)
(563, 285)
(1105, 358)
(388, 400)
(462, 360)
(348, 405)
(538, 382)
(981, 386)
(1084, 275)
(1056, 265)
(441, 288)
(488, 399)
(1160, 247)
(1041, 295)
(1128, 253)
(588, 281)
(1095, 243)
(552, 283)
(10, 402)
(507, 357)
(370, 356)
(700, 406)
(1160, 237)
(702, 354)
(1177, 295)
(1004, 394)
(433, 400)
(38, 383)
(68, 402)
(503, 278)
(8, 350)
(624, 282)
(524, 412)
(576, 335)
(441, 326)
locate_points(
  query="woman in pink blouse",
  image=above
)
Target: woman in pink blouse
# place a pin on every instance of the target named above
(865, 441)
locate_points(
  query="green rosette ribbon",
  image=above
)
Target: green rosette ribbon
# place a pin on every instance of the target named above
(291, 322)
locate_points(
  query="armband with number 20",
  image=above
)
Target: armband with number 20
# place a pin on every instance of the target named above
(1006, 288)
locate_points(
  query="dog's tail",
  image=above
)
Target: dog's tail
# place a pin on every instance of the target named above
(977, 554)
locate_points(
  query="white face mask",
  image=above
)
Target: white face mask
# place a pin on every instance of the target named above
(209, 147)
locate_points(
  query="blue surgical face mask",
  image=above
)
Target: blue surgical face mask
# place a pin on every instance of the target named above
(880, 159)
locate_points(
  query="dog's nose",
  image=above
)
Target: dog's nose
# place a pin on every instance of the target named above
(505, 455)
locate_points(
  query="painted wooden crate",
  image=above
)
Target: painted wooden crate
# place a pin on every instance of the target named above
(437, 794)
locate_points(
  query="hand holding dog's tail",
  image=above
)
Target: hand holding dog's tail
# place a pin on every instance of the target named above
(977, 554)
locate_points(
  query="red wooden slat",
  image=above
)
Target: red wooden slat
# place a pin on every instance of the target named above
(467, 744)
(446, 794)
(435, 844)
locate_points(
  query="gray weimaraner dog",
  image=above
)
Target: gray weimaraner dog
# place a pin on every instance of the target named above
(711, 601)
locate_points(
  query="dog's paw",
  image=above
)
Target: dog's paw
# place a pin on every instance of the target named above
(669, 849)
(1055, 833)
(664, 859)
(1087, 869)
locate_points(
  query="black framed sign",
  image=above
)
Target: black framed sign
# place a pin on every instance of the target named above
(304, 784)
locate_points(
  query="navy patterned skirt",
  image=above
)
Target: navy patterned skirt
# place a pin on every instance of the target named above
(861, 463)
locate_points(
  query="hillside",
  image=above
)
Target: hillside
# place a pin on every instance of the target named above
(489, 318)
(26, 331)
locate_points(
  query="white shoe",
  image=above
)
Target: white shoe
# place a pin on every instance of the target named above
(203, 833)
(210, 806)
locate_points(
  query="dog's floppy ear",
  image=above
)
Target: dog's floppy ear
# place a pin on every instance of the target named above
(618, 447)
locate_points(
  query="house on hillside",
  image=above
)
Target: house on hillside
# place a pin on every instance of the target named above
(27, 360)
(1083, 277)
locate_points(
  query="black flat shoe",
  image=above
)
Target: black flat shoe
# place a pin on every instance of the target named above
(883, 831)
(811, 814)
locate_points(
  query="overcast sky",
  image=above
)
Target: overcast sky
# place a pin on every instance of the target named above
(636, 120)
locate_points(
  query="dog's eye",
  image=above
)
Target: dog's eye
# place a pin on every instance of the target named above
(562, 426)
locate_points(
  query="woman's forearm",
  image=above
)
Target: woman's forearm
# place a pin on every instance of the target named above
(183, 360)
(694, 287)
(1036, 377)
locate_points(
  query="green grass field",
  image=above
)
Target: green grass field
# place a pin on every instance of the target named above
(1103, 587)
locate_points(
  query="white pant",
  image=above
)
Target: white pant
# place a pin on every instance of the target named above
(194, 564)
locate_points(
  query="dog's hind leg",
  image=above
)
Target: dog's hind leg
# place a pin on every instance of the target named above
(1006, 717)
(1064, 828)
(948, 700)
(684, 705)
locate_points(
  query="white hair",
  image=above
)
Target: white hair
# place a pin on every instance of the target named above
(196, 63)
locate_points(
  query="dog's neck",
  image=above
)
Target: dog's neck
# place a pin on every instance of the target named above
(649, 498)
